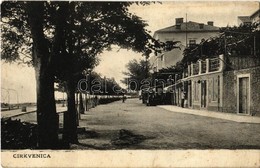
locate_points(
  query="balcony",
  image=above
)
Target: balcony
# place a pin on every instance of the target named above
(196, 68)
(203, 66)
(209, 65)
(214, 64)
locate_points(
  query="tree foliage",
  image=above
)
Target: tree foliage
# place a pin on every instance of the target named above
(61, 39)
(241, 40)
(138, 71)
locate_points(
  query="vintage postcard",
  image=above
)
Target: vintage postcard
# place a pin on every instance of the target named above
(130, 84)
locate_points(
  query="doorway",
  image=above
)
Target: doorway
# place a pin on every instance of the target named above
(203, 94)
(243, 95)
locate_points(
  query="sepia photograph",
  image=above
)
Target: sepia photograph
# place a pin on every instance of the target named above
(130, 84)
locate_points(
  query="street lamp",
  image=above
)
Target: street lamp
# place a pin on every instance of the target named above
(8, 94)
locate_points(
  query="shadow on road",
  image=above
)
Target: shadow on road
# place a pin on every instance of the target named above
(115, 139)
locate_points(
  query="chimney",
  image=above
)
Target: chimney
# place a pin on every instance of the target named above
(178, 22)
(201, 25)
(210, 23)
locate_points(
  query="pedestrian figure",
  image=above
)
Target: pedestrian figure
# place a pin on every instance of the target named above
(182, 98)
(96, 100)
(124, 98)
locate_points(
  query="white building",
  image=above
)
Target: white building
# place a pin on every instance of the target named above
(188, 33)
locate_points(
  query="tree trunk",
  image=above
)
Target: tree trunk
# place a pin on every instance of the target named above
(70, 120)
(81, 105)
(47, 118)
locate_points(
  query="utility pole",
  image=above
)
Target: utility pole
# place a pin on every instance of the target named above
(186, 32)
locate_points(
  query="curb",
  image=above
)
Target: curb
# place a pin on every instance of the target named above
(214, 114)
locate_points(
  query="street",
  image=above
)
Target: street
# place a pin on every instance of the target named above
(162, 129)
(133, 125)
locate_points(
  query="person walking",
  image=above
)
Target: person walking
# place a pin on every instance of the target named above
(124, 98)
(182, 98)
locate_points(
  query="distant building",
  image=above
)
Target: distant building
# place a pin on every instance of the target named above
(247, 20)
(188, 33)
(255, 17)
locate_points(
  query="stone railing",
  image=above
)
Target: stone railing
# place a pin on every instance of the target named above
(214, 64)
(203, 66)
(206, 66)
(196, 68)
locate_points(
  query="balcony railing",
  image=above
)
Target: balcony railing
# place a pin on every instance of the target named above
(196, 68)
(185, 73)
(214, 64)
(206, 66)
(203, 66)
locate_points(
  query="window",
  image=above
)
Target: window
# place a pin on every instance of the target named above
(201, 26)
(192, 42)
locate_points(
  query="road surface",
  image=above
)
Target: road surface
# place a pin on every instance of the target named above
(162, 129)
(132, 125)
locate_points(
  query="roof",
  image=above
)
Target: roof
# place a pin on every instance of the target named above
(255, 13)
(188, 27)
(244, 19)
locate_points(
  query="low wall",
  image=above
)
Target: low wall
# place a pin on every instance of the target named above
(230, 90)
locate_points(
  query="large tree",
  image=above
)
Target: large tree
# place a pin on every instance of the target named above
(26, 26)
(60, 37)
(89, 33)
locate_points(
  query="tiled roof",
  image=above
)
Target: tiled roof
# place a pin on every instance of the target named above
(188, 27)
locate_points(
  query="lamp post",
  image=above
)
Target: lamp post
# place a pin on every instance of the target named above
(8, 97)
(8, 94)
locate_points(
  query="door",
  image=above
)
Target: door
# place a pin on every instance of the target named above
(203, 94)
(190, 95)
(243, 95)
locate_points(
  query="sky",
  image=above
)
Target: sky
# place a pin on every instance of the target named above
(112, 63)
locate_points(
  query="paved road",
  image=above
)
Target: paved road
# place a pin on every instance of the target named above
(157, 128)
(163, 129)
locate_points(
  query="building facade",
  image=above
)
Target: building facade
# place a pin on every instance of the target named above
(215, 85)
(247, 20)
(187, 33)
